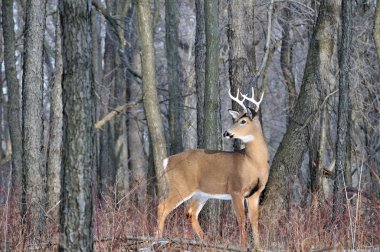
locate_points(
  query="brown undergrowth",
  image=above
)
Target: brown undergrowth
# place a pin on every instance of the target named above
(121, 224)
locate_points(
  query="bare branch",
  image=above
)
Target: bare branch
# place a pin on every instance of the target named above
(114, 113)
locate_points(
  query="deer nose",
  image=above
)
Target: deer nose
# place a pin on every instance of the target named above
(227, 134)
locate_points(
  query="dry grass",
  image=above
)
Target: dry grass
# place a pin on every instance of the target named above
(298, 229)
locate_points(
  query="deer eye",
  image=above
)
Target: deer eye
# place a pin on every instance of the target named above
(243, 122)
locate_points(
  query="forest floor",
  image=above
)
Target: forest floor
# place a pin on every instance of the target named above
(121, 224)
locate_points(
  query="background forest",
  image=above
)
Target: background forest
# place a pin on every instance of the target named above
(95, 94)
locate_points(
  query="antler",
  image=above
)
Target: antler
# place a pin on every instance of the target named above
(252, 99)
(236, 99)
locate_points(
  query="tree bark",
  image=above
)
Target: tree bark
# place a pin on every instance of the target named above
(121, 130)
(174, 76)
(211, 122)
(138, 162)
(53, 168)
(33, 173)
(212, 131)
(240, 39)
(376, 31)
(343, 109)
(97, 77)
(78, 124)
(106, 159)
(151, 105)
(14, 99)
(289, 156)
(286, 59)
(200, 54)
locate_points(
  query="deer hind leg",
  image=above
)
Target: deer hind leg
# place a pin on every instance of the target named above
(253, 209)
(193, 211)
(169, 204)
(238, 205)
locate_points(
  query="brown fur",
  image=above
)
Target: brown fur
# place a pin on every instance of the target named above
(239, 174)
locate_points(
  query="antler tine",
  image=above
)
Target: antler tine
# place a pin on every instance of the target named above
(236, 99)
(252, 99)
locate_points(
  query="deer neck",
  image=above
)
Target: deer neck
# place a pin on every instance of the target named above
(256, 149)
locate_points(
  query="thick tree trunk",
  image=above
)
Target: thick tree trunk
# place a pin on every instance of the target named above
(54, 151)
(211, 126)
(151, 105)
(200, 54)
(14, 99)
(343, 109)
(240, 39)
(289, 156)
(78, 124)
(174, 76)
(33, 173)
(241, 48)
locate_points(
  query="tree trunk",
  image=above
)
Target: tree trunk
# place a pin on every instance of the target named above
(240, 39)
(121, 138)
(96, 72)
(241, 48)
(286, 59)
(289, 156)
(33, 173)
(200, 54)
(138, 160)
(14, 100)
(78, 123)
(343, 109)
(376, 31)
(211, 123)
(121, 130)
(54, 151)
(174, 76)
(106, 138)
(151, 105)
(212, 131)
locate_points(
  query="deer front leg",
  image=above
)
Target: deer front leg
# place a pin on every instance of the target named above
(238, 205)
(253, 210)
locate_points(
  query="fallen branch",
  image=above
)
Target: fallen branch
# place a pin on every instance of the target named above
(113, 113)
(174, 241)
(147, 241)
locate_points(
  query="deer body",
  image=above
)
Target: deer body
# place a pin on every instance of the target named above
(203, 174)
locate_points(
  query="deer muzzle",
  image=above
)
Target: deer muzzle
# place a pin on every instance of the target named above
(227, 134)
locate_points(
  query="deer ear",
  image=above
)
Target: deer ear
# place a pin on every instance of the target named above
(253, 113)
(235, 115)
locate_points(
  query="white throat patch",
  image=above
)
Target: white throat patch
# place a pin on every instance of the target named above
(247, 139)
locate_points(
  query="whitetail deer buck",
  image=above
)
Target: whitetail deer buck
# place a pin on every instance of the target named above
(238, 176)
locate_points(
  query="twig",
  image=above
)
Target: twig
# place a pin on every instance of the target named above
(348, 208)
(113, 113)
(357, 205)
